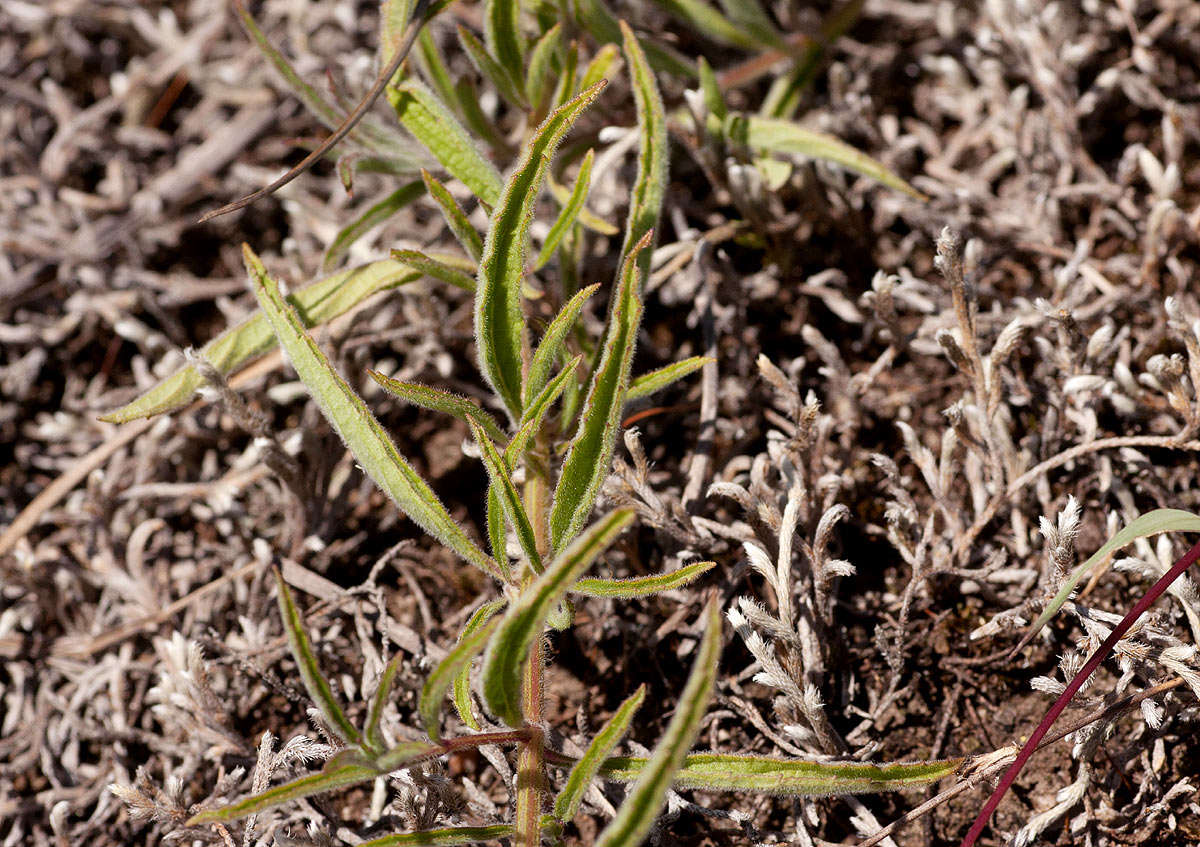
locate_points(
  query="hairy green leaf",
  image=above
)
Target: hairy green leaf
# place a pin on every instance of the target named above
(587, 460)
(472, 641)
(431, 123)
(778, 136)
(602, 66)
(434, 66)
(462, 680)
(432, 267)
(383, 690)
(509, 496)
(645, 799)
(350, 417)
(372, 217)
(553, 342)
(310, 672)
(448, 837)
(795, 777)
(455, 217)
(347, 768)
(627, 589)
(535, 412)
(657, 380)
(539, 82)
(566, 804)
(586, 217)
(499, 323)
(526, 616)
(596, 19)
(749, 17)
(502, 34)
(506, 85)
(646, 198)
(437, 400)
(315, 304)
(712, 23)
(570, 211)
(714, 100)
(1151, 523)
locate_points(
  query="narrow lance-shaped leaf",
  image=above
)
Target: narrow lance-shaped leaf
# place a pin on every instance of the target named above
(439, 270)
(372, 217)
(437, 400)
(310, 672)
(509, 496)
(749, 17)
(424, 115)
(587, 461)
(566, 804)
(712, 23)
(340, 771)
(393, 19)
(474, 638)
(383, 691)
(646, 199)
(455, 217)
(538, 408)
(539, 81)
(657, 380)
(506, 85)
(447, 837)
(714, 100)
(602, 66)
(1151, 523)
(778, 136)
(499, 324)
(792, 777)
(644, 800)
(566, 218)
(315, 304)
(430, 58)
(350, 417)
(554, 342)
(463, 703)
(526, 617)
(627, 589)
(502, 33)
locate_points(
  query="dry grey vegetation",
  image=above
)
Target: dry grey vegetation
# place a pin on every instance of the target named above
(921, 415)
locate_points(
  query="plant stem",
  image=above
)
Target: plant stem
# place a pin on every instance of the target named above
(1102, 652)
(531, 762)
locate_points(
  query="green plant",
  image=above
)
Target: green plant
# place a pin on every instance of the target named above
(561, 400)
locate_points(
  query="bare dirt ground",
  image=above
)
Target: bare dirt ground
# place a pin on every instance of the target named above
(925, 416)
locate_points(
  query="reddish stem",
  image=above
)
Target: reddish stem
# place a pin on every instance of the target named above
(1102, 652)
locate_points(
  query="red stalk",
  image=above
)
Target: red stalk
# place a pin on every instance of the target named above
(1102, 652)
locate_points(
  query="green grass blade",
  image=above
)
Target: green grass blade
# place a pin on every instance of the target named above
(372, 217)
(448, 837)
(657, 380)
(588, 458)
(627, 589)
(472, 641)
(509, 496)
(455, 217)
(525, 619)
(714, 100)
(432, 267)
(383, 691)
(310, 672)
(793, 777)
(566, 217)
(566, 804)
(502, 34)
(777, 136)
(437, 400)
(462, 681)
(506, 86)
(358, 428)
(646, 199)
(1151, 523)
(499, 323)
(315, 304)
(553, 342)
(431, 123)
(644, 801)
